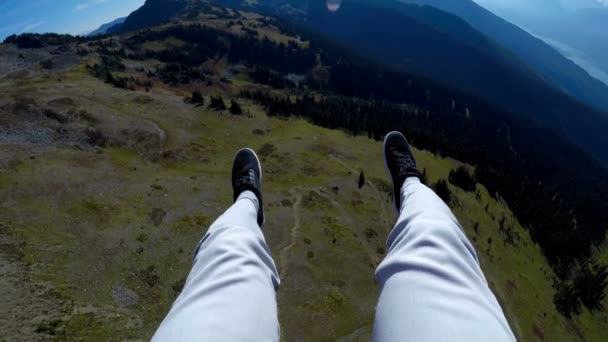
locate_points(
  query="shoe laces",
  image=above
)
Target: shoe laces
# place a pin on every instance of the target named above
(402, 158)
(246, 179)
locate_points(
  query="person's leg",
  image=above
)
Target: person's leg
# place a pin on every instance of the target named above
(432, 287)
(230, 294)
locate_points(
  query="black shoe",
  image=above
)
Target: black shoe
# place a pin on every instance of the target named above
(247, 176)
(400, 163)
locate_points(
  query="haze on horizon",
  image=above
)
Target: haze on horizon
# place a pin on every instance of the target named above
(578, 29)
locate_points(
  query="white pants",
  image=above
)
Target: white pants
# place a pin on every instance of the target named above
(230, 294)
(432, 288)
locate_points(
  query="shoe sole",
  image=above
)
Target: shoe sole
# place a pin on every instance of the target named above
(390, 175)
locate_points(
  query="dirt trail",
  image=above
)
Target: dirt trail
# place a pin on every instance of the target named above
(298, 194)
(293, 233)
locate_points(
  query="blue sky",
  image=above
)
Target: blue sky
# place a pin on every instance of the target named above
(63, 16)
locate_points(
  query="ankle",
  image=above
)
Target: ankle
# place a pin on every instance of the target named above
(251, 196)
(411, 180)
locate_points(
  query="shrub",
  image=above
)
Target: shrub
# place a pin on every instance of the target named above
(235, 108)
(424, 177)
(47, 64)
(217, 103)
(178, 286)
(197, 98)
(565, 299)
(110, 64)
(587, 288)
(361, 180)
(49, 327)
(443, 191)
(143, 237)
(24, 41)
(95, 137)
(463, 179)
(370, 233)
(590, 285)
(149, 276)
(267, 150)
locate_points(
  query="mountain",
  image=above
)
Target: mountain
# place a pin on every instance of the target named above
(584, 30)
(546, 61)
(576, 29)
(416, 39)
(103, 29)
(585, 54)
(494, 113)
(475, 63)
(151, 13)
(434, 44)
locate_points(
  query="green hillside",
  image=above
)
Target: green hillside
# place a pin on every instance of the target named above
(105, 192)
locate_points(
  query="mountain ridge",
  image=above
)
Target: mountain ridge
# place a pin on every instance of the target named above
(151, 13)
(551, 65)
(107, 27)
(481, 68)
(501, 81)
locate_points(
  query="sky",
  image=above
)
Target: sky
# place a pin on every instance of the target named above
(61, 16)
(540, 6)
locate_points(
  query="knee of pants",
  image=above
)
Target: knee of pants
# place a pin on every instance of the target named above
(225, 239)
(435, 227)
(437, 240)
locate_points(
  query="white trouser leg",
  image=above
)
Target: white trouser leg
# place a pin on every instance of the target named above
(230, 294)
(432, 287)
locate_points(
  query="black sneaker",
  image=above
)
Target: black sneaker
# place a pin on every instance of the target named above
(400, 163)
(247, 176)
